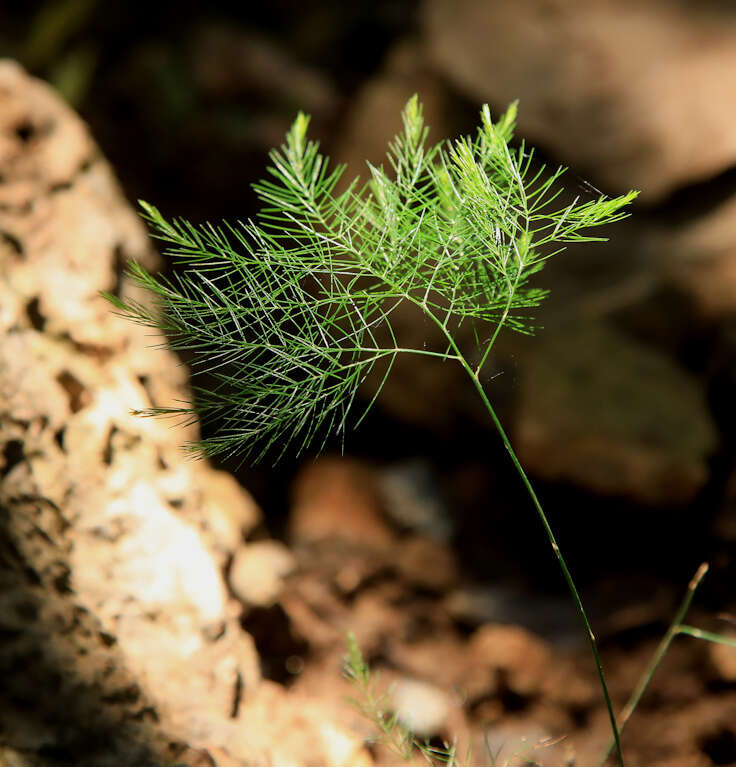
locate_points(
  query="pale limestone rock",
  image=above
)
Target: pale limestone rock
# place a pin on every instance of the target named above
(118, 633)
(229, 512)
(258, 570)
(282, 728)
(86, 485)
(420, 706)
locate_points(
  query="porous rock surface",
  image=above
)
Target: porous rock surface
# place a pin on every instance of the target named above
(120, 644)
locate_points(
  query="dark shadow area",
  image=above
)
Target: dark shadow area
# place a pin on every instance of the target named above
(64, 698)
(699, 199)
(186, 99)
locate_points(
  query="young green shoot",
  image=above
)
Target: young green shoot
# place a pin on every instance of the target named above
(288, 313)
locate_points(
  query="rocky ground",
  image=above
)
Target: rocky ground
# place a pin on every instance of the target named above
(153, 613)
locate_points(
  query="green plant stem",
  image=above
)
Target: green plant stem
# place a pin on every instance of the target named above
(548, 529)
(560, 559)
(675, 628)
(707, 636)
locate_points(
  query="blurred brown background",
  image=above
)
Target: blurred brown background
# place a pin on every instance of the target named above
(151, 611)
(622, 407)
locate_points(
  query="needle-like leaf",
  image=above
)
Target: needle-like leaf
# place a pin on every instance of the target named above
(285, 312)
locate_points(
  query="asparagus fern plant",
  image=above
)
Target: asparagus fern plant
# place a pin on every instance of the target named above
(286, 312)
(290, 312)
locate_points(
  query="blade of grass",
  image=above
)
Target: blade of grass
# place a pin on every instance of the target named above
(676, 627)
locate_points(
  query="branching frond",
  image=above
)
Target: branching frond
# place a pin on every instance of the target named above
(289, 313)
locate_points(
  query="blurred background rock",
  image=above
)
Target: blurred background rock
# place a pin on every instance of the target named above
(622, 407)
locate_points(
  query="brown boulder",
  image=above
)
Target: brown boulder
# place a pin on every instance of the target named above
(608, 413)
(338, 498)
(636, 94)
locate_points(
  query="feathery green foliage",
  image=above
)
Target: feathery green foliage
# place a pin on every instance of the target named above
(287, 313)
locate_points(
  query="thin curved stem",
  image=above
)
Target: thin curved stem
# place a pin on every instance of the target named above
(548, 529)
(560, 559)
(707, 636)
(675, 628)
